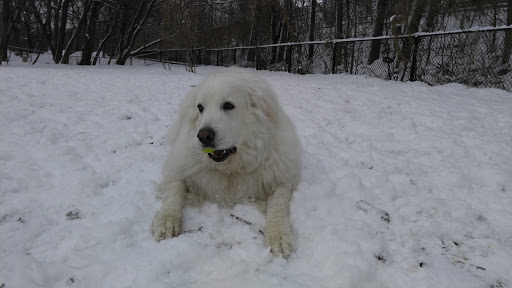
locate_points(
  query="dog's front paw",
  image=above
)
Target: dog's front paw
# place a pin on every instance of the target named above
(166, 225)
(279, 240)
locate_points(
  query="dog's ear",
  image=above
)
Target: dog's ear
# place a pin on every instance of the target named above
(186, 115)
(265, 101)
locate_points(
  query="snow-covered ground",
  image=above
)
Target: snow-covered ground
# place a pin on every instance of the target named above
(81, 150)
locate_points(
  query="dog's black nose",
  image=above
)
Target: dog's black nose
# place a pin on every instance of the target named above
(206, 135)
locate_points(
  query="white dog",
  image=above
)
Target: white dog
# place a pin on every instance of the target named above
(257, 157)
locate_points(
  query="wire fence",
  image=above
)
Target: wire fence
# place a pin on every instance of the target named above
(31, 56)
(476, 57)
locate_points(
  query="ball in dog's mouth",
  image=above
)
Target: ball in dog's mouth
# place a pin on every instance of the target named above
(221, 155)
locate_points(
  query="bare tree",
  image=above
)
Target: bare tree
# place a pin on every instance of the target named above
(62, 31)
(46, 24)
(434, 9)
(312, 30)
(27, 23)
(6, 11)
(337, 34)
(253, 37)
(73, 39)
(56, 22)
(276, 25)
(89, 34)
(127, 45)
(284, 31)
(109, 33)
(377, 31)
(508, 36)
(413, 27)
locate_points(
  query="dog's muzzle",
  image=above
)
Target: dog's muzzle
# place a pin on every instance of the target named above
(221, 155)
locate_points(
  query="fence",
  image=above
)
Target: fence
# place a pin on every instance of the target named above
(30, 56)
(23, 54)
(475, 57)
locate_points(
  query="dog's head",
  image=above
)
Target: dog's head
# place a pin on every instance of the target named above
(233, 113)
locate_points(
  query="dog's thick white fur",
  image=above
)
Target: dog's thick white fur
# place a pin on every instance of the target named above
(263, 164)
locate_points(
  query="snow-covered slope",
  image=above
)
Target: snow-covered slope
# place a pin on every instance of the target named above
(81, 150)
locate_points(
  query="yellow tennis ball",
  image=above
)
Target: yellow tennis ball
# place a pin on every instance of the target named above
(208, 150)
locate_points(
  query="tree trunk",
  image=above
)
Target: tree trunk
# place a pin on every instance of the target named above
(89, 34)
(254, 32)
(112, 28)
(339, 18)
(56, 25)
(5, 22)
(277, 20)
(336, 53)
(26, 22)
(412, 28)
(48, 23)
(433, 12)
(312, 30)
(347, 35)
(44, 25)
(417, 14)
(284, 33)
(352, 51)
(377, 31)
(39, 51)
(72, 40)
(112, 52)
(507, 44)
(62, 31)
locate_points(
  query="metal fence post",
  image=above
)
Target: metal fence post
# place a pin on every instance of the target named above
(289, 57)
(333, 70)
(257, 59)
(412, 76)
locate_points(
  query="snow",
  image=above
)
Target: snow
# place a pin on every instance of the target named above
(81, 150)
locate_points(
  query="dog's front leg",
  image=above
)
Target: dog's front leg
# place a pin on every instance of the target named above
(167, 221)
(278, 232)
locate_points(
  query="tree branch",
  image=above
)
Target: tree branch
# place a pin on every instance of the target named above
(145, 46)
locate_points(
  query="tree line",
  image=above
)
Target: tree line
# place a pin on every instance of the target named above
(118, 29)
(66, 26)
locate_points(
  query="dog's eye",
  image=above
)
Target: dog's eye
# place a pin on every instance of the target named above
(228, 106)
(200, 107)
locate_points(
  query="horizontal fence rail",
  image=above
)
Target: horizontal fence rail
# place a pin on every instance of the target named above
(419, 34)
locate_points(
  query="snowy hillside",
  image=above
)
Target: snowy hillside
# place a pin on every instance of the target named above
(81, 150)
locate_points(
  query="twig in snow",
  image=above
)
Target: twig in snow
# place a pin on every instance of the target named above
(193, 231)
(248, 223)
(479, 267)
(73, 214)
(370, 209)
(381, 257)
